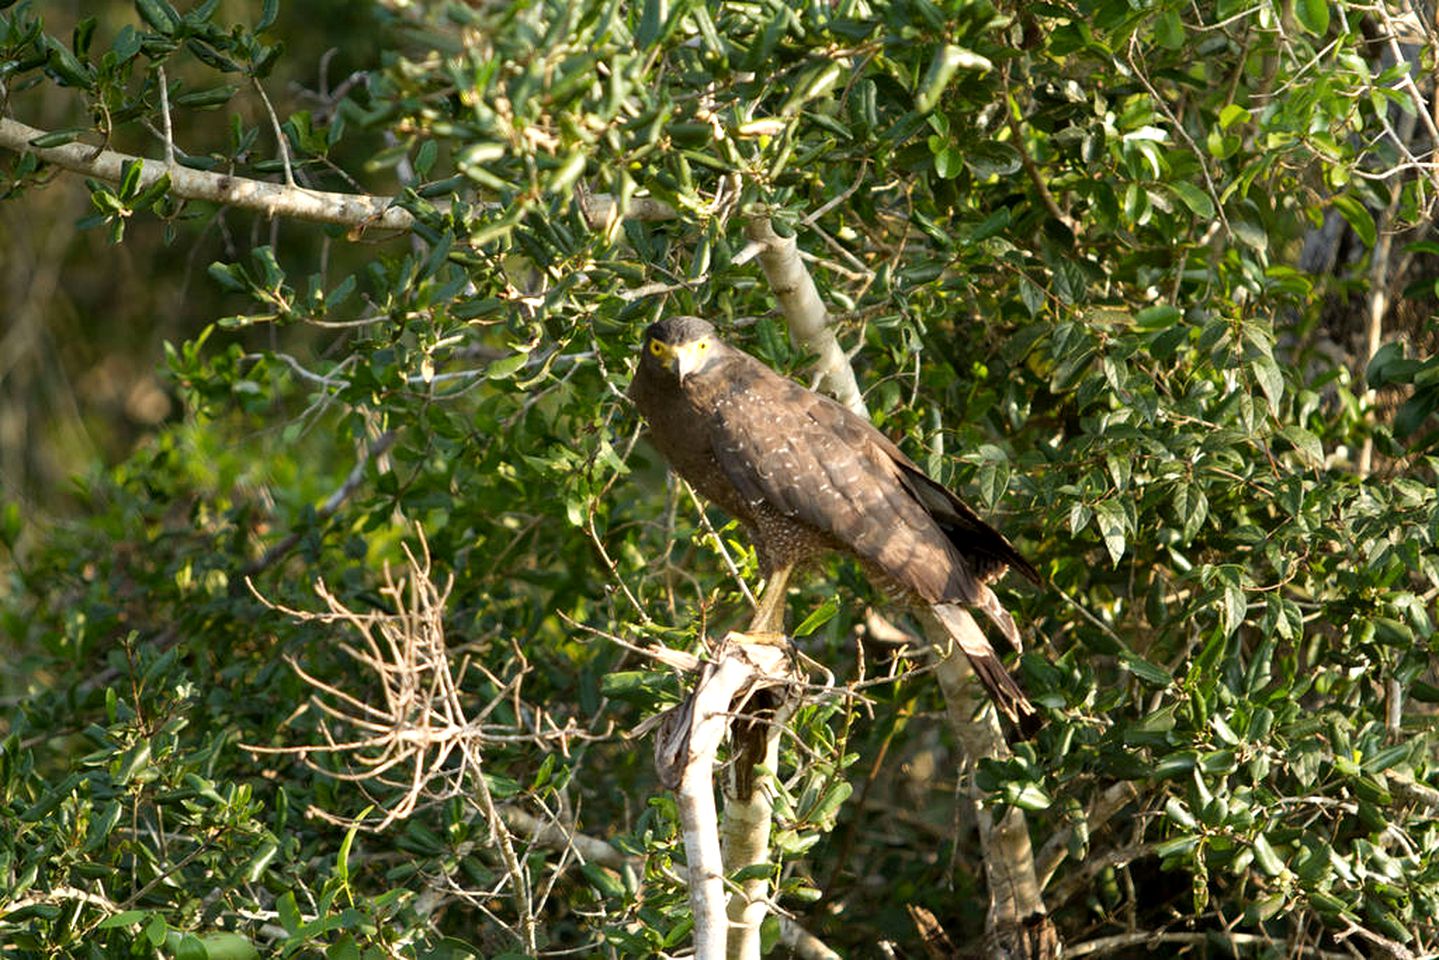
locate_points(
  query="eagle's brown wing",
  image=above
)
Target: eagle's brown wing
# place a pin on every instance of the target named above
(982, 546)
(828, 468)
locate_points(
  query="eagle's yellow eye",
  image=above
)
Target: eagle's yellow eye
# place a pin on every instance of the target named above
(657, 348)
(704, 344)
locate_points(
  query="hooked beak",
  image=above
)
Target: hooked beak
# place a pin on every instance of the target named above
(680, 360)
(686, 359)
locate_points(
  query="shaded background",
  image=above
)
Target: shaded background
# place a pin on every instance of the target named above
(83, 321)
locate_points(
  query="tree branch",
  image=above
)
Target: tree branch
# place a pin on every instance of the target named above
(799, 301)
(745, 837)
(685, 750)
(1017, 926)
(354, 210)
(272, 199)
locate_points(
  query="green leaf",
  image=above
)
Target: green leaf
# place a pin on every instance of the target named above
(1265, 857)
(159, 15)
(832, 800)
(209, 97)
(506, 367)
(641, 687)
(1271, 381)
(188, 947)
(948, 162)
(1151, 674)
(289, 912)
(156, 929)
(1358, 217)
(991, 158)
(652, 19)
(947, 59)
(425, 158)
(1234, 609)
(818, 617)
(1111, 519)
(1194, 198)
(226, 945)
(1231, 114)
(1161, 316)
(130, 172)
(1169, 30)
(993, 474)
(605, 881)
(1028, 796)
(1309, 447)
(58, 138)
(1313, 16)
(1389, 366)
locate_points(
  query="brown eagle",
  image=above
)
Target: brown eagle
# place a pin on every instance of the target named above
(806, 476)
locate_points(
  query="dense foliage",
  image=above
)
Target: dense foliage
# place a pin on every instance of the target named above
(1105, 267)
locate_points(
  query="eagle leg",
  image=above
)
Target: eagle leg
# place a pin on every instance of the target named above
(769, 615)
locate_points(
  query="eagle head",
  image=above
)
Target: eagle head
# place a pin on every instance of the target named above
(680, 346)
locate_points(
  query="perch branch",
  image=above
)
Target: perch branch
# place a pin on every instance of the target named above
(685, 749)
(748, 822)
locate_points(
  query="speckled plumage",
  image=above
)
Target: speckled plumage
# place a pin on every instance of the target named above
(806, 476)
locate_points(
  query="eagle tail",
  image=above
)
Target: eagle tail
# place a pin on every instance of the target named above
(1002, 688)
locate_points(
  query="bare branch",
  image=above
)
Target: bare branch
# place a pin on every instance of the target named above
(357, 211)
(272, 199)
(417, 724)
(281, 142)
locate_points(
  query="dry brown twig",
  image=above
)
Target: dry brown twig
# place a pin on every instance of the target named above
(416, 734)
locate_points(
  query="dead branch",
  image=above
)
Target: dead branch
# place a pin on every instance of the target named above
(413, 743)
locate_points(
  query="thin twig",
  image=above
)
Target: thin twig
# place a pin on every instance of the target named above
(1031, 169)
(1174, 122)
(165, 120)
(281, 141)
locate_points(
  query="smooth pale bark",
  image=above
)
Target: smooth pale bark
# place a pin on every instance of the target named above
(685, 750)
(804, 312)
(354, 210)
